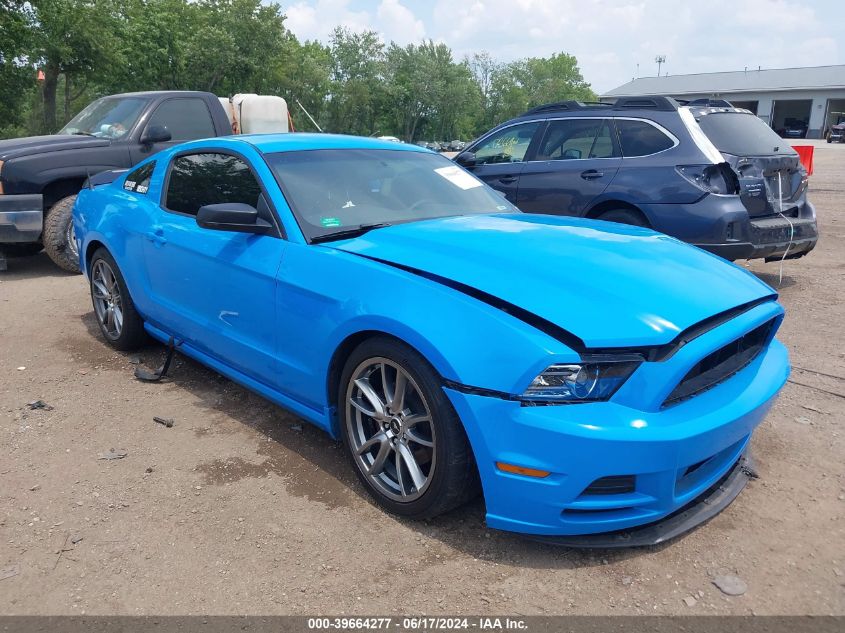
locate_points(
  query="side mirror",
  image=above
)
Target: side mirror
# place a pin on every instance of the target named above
(465, 159)
(232, 216)
(155, 134)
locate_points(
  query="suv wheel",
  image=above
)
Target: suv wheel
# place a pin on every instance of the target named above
(624, 216)
(59, 239)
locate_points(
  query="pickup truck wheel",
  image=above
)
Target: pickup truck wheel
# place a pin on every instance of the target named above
(116, 315)
(58, 236)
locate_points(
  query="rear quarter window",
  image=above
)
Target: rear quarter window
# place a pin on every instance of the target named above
(741, 134)
(138, 181)
(640, 138)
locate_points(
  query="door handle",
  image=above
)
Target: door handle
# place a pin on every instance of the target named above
(591, 174)
(156, 235)
(506, 180)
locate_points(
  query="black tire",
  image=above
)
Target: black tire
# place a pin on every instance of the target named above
(57, 230)
(454, 479)
(131, 334)
(21, 250)
(624, 216)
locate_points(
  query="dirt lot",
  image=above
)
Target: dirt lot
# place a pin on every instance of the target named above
(240, 508)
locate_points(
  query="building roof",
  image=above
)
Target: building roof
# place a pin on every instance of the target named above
(769, 80)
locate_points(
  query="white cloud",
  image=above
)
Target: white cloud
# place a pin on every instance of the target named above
(398, 23)
(316, 20)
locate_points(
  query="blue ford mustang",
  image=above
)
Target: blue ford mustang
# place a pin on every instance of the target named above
(591, 378)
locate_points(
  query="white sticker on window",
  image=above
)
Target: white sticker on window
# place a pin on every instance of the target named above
(129, 185)
(458, 177)
(142, 189)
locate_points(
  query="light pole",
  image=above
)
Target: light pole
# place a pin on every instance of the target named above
(659, 60)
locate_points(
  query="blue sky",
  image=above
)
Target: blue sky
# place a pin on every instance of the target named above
(609, 37)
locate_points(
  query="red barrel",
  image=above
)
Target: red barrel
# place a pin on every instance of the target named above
(805, 153)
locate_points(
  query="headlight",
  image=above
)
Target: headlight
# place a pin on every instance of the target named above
(582, 382)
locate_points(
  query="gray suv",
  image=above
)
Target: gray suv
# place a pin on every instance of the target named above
(705, 172)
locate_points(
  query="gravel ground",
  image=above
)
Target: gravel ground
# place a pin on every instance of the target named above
(240, 508)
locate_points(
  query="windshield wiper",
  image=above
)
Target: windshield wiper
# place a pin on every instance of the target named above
(83, 134)
(354, 231)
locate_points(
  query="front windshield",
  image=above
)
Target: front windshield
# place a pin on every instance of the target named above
(332, 190)
(106, 118)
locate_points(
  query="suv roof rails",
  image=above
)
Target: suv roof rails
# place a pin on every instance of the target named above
(559, 106)
(666, 104)
(628, 103)
(709, 103)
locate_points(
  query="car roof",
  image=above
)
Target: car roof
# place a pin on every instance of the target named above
(160, 93)
(291, 142)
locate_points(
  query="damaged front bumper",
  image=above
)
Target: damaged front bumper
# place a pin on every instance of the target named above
(702, 509)
(21, 218)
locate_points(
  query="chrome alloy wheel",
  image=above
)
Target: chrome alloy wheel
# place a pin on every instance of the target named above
(390, 429)
(108, 303)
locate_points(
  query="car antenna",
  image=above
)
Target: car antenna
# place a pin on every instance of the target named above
(88, 179)
(308, 115)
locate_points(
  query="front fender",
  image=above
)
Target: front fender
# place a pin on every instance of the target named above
(334, 295)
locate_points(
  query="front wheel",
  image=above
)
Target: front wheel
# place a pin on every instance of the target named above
(59, 238)
(401, 433)
(119, 322)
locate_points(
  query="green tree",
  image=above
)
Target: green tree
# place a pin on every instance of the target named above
(357, 88)
(17, 76)
(76, 38)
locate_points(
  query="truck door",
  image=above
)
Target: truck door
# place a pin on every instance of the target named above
(186, 118)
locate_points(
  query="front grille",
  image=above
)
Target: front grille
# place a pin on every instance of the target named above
(720, 365)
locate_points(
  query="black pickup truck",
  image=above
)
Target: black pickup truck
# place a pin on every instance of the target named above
(41, 175)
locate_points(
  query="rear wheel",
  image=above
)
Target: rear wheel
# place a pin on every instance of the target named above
(401, 433)
(59, 238)
(119, 322)
(624, 216)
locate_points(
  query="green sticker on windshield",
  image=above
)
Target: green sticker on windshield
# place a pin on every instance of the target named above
(330, 222)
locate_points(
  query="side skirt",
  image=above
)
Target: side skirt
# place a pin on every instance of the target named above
(317, 417)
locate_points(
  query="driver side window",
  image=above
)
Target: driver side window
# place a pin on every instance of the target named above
(196, 180)
(506, 146)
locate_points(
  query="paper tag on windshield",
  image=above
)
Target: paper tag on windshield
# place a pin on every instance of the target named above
(458, 177)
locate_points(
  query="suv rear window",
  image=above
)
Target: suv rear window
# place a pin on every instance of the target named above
(742, 134)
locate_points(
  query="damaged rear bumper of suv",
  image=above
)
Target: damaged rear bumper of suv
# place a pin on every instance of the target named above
(771, 238)
(722, 225)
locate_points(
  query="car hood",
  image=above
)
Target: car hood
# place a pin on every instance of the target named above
(13, 147)
(608, 284)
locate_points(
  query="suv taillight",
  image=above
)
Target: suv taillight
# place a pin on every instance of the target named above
(720, 179)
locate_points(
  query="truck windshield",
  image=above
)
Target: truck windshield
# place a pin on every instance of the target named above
(742, 134)
(106, 118)
(334, 190)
